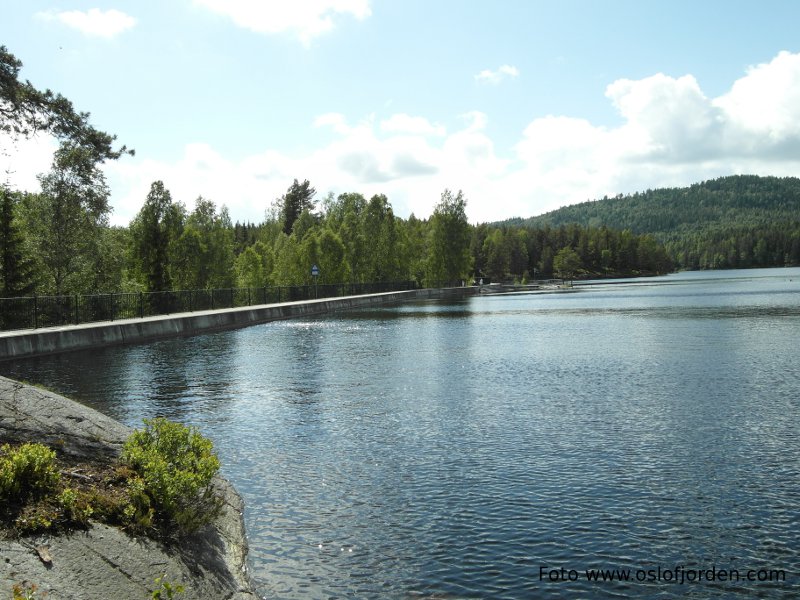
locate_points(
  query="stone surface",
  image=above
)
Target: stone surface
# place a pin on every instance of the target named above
(102, 561)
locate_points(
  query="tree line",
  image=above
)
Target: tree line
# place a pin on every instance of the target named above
(520, 252)
(60, 241)
(731, 222)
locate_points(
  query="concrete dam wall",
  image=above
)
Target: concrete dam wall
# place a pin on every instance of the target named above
(35, 342)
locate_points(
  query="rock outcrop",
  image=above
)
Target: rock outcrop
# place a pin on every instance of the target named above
(103, 561)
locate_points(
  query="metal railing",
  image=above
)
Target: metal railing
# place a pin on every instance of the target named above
(33, 312)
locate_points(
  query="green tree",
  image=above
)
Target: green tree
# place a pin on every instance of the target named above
(304, 225)
(355, 244)
(288, 269)
(308, 255)
(566, 263)
(16, 269)
(498, 258)
(203, 255)
(448, 255)
(415, 236)
(254, 266)
(110, 261)
(65, 219)
(299, 197)
(332, 264)
(25, 110)
(517, 253)
(379, 229)
(335, 210)
(188, 261)
(154, 230)
(477, 250)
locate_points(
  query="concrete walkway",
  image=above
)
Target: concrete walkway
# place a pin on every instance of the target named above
(50, 340)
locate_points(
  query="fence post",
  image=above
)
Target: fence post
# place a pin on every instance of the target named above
(77, 317)
(35, 312)
(212, 298)
(141, 305)
(111, 298)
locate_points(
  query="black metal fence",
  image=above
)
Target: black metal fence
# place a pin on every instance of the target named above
(49, 311)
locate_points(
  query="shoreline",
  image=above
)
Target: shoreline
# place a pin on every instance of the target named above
(90, 563)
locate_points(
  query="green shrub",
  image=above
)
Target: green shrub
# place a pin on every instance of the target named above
(165, 590)
(28, 470)
(24, 591)
(176, 464)
(77, 506)
(138, 513)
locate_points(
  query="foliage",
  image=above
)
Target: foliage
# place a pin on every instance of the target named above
(66, 219)
(331, 262)
(165, 590)
(729, 222)
(26, 471)
(254, 266)
(383, 261)
(109, 266)
(521, 252)
(203, 256)
(24, 591)
(288, 268)
(24, 110)
(448, 258)
(76, 506)
(59, 241)
(154, 231)
(566, 262)
(176, 464)
(298, 198)
(36, 497)
(61, 224)
(170, 488)
(16, 269)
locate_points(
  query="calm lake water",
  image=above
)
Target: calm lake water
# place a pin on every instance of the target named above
(473, 449)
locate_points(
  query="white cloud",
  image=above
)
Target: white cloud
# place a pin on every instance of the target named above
(410, 167)
(671, 134)
(667, 119)
(496, 77)
(93, 22)
(763, 107)
(403, 123)
(335, 121)
(305, 19)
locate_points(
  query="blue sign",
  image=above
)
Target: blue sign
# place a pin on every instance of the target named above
(314, 270)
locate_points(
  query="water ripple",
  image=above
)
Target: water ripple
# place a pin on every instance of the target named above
(456, 450)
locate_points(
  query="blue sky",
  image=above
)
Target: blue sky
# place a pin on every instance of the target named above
(524, 105)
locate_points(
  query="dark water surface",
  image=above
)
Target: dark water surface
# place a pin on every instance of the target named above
(436, 450)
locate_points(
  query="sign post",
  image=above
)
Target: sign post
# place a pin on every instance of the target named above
(315, 274)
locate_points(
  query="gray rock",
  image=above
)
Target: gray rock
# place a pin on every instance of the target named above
(103, 561)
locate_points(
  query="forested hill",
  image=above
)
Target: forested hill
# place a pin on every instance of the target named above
(736, 221)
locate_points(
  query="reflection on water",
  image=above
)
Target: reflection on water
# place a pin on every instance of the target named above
(451, 450)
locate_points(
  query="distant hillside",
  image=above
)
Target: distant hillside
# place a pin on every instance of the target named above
(736, 221)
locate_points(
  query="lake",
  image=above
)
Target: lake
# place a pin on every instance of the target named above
(503, 446)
